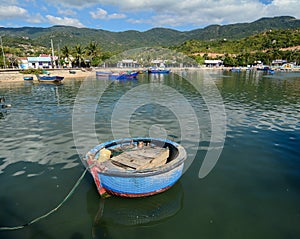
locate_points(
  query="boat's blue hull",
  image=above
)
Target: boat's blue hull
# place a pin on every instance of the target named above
(124, 76)
(28, 78)
(140, 186)
(158, 71)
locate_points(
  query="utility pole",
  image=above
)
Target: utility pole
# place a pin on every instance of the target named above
(58, 56)
(3, 53)
(53, 60)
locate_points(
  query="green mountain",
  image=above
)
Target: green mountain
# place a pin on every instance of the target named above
(118, 41)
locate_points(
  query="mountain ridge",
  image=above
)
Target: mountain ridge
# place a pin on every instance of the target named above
(165, 37)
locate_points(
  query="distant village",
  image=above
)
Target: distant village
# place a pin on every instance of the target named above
(48, 62)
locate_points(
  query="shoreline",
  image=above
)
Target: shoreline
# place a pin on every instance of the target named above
(14, 76)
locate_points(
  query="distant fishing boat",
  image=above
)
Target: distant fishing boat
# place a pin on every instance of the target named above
(235, 69)
(49, 78)
(135, 167)
(104, 74)
(124, 76)
(28, 78)
(264, 68)
(158, 70)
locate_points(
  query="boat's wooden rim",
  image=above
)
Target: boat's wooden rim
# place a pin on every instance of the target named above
(177, 160)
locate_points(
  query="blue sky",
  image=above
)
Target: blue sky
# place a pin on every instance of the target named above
(141, 15)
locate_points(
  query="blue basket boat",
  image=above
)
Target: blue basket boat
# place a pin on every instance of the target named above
(135, 167)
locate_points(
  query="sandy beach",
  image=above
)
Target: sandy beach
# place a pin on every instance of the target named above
(16, 76)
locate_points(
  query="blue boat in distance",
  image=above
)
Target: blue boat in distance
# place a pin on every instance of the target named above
(158, 70)
(49, 78)
(28, 78)
(103, 74)
(124, 76)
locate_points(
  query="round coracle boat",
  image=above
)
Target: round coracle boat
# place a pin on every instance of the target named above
(135, 167)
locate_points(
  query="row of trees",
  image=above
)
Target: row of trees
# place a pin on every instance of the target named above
(78, 55)
(83, 56)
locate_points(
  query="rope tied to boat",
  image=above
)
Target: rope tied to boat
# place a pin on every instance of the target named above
(54, 209)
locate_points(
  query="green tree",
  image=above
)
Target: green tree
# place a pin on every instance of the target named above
(93, 52)
(66, 54)
(78, 50)
(229, 61)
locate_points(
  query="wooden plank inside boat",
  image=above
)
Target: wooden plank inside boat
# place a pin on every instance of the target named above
(142, 158)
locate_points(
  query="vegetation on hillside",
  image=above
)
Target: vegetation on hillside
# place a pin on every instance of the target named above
(235, 44)
(120, 41)
(266, 46)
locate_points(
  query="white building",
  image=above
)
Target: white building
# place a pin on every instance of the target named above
(39, 62)
(211, 63)
(128, 63)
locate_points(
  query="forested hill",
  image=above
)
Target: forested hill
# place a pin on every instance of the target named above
(115, 41)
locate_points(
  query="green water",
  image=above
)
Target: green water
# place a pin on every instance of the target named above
(252, 192)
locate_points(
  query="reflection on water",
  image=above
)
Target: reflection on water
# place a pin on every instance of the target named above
(253, 192)
(124, 213)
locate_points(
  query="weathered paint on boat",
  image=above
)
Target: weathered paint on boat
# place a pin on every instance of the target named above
(136, 183)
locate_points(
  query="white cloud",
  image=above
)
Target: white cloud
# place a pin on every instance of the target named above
(102, 14)
(191, 12)
(205, 12)
(165, 13)
(10, 12)
(116, 16)
(64, 21)
(99, 14)
(74, 3)
(66, 12)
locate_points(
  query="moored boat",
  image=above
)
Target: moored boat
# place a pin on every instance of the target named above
(49, 78)
(28, 78)
(124, 76)
(235, 69)
(156, 70)
(104, 74)
(135, 167)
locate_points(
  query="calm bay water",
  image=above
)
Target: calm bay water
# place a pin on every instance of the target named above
(252, 192)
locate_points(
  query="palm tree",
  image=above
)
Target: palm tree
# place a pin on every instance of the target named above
(92, 49)
(94, 52)
(66, 53)
(78, 54)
